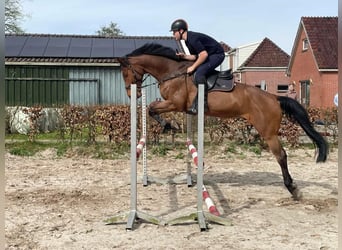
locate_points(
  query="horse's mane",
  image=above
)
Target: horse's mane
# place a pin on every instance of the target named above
(156, 50)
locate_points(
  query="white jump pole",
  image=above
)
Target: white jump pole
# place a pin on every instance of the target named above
(200, 216)
(133, 206)
(133, 213)
(144, 134)
(203, 216)
(200, 141)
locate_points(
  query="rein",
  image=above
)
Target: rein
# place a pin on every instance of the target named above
(164, 80)
(135, 73)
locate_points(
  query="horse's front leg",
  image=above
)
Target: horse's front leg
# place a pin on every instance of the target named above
(158, 107)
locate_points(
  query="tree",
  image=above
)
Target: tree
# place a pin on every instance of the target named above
(111, 30)
(13, 16)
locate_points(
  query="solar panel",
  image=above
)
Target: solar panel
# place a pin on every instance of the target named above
(76, 47)
(167, 42)
(141, 42)
(80, 47)
(57, 47)
(123, 46)
(34, 46)
(102, 48)
(13, 45)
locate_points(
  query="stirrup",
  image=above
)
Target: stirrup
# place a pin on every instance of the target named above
(194, 109)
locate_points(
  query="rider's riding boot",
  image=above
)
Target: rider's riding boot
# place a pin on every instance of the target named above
(194, 107)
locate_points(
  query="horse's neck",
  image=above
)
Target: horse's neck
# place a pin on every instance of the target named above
(161, 67)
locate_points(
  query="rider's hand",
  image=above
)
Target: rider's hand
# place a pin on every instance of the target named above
(180, 55)
(190, 70)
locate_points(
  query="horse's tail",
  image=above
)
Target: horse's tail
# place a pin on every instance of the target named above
(293, 109)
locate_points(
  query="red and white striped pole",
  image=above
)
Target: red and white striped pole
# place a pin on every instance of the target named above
(192, 151)
(209, 202)
(206, 197)
(140, 146)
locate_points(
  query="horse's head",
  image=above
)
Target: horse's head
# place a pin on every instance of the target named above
(131, 75)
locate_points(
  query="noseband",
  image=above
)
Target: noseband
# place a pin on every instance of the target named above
(136, 77)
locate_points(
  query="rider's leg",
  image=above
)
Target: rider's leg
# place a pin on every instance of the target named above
(194, 107)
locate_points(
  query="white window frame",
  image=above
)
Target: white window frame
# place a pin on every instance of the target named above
(305, 44)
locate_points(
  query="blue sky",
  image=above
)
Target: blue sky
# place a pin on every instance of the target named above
(234, 22)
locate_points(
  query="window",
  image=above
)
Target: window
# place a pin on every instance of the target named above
(305, 93)
(262, 85)
(282, 88)
(305, 44)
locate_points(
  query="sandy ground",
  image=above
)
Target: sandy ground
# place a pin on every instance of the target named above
(61, 203)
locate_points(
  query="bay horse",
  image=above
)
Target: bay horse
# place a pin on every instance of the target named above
(260, 108)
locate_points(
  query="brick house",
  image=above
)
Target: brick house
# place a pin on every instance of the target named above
(313, 66)
(237, 56)
(265, 68)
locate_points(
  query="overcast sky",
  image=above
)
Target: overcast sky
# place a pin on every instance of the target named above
(235, 22)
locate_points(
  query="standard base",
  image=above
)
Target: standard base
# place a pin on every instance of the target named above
(201, 218)
(131, 217)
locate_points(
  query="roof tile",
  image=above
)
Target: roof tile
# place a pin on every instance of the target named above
(267, 54)
(322, 33)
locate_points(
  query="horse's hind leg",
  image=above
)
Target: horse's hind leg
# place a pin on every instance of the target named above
(281, 157)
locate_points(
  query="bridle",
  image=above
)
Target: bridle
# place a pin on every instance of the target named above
(139, 79)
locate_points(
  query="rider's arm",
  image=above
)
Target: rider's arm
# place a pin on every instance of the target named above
(187, 57)
(202, 56)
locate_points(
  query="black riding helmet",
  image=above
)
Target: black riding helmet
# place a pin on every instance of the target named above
(179, 24)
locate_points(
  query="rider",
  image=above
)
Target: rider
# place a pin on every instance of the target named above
(206, 53)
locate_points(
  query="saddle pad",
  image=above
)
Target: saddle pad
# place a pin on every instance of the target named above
(223, 85)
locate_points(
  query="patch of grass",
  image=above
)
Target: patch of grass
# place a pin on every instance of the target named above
(27, 148)
(21, 152)
(180, 156)
(39, 137)
(100, 150)
(231, 148)
(17, 144)
(255, 149)
(62, 148)
(21, 146)
(160, 150)
(14, 137)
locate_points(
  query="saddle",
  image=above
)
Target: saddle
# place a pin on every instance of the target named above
(221, 81)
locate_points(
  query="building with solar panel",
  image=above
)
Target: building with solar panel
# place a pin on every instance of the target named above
(53, 70)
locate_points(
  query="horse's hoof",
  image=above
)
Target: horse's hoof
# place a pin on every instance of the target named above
(170, 126)
(191, 112)
(167, 127)
(175, 126)
(297, 194)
